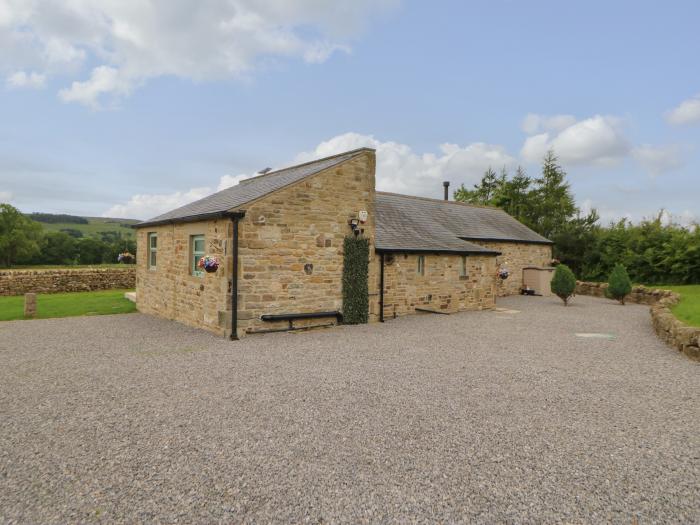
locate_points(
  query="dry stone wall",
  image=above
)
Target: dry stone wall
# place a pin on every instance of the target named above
(19, 282)
(668, 327)
(440, 288)
(515, 256)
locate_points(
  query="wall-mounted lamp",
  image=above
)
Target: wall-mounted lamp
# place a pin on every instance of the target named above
(354, 226)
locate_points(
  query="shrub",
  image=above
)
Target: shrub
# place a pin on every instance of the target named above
(355, 271)
(619, 284)
(563, 283)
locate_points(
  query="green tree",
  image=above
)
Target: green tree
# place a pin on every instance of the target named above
(93, 251)
(513, 195)
(19, 236)
(58, 248)
(619, 284)
(484, 192)
(553, 204)
(563, 283)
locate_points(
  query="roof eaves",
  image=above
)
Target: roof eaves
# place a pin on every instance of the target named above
(192, 218)
(514, 241)
(452, 251)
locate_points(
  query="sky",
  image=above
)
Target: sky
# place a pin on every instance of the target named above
(128, 108)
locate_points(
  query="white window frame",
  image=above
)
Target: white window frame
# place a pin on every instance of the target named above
(420, 269)
(195, 255)
(152, 250)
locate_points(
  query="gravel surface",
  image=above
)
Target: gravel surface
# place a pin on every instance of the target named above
(473, 417)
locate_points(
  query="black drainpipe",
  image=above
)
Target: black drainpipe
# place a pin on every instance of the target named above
(234, 278)
(381, 287)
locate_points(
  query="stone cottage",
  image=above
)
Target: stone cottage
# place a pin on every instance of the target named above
(279, 239)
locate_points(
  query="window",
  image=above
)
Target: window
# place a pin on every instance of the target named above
(196, 253)
(152, 250)
(463, 267)
(421, 265)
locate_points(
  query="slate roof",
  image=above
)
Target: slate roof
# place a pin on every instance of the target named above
(407, 223)
(248, 190)
(404, 223)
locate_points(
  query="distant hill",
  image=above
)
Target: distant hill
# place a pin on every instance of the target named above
(100, 227)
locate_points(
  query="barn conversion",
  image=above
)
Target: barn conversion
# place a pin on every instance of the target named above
(279, 240)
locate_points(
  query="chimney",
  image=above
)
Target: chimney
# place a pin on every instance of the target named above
(446, 185)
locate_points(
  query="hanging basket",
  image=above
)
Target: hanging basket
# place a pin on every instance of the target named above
(208, 263)
(503, 274)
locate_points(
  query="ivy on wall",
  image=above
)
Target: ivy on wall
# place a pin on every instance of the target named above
(355, 277)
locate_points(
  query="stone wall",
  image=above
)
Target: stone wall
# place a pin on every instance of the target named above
(19, 282)
(440, 288)
(668, 327)
(291, 245)
(290, 255)
(170, 290)
(515, 256)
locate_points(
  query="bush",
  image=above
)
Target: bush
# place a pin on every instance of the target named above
(355, 272)
(619, 284)
(563, 283)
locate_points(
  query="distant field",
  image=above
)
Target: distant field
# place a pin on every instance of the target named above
(96, 226)
(688, 309)
(68, 305)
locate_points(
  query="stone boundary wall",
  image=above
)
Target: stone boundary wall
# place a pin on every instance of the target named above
(19, 282)
(668, 327)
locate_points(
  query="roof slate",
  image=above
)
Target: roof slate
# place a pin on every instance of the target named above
(249, 190)
(404, 223)
(420, 224)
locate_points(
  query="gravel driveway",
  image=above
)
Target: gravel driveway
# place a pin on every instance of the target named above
(478, 417)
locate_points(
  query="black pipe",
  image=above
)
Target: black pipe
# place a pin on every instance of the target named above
(234, 281)
(446, 185)
(381, 287)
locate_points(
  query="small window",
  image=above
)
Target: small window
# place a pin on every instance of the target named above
(421, 265)
(152, 250)
(196, 253)
(463, 267)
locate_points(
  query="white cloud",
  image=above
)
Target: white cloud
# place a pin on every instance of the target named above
(143, 206)
(230, 180)
(22, 79)
(104, 79)
(131, 41)
(401, 170)
(5, 196)
(658, 160)
(688, 112)
(595, 140)
(148, 205)
(533, 123)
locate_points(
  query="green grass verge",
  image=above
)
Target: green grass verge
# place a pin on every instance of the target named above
(68, 305)
(688, 309)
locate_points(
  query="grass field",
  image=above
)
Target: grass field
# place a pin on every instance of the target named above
(96, 226)
(68, 305)
(688, 309)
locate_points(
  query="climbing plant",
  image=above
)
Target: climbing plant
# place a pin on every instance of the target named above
(355, 272)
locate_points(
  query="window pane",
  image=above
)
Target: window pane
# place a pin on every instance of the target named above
(153, 259)
(154, 240)
(199, 245)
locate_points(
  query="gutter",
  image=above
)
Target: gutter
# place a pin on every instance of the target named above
(514, 241)
(437, 251)
(191, 218)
